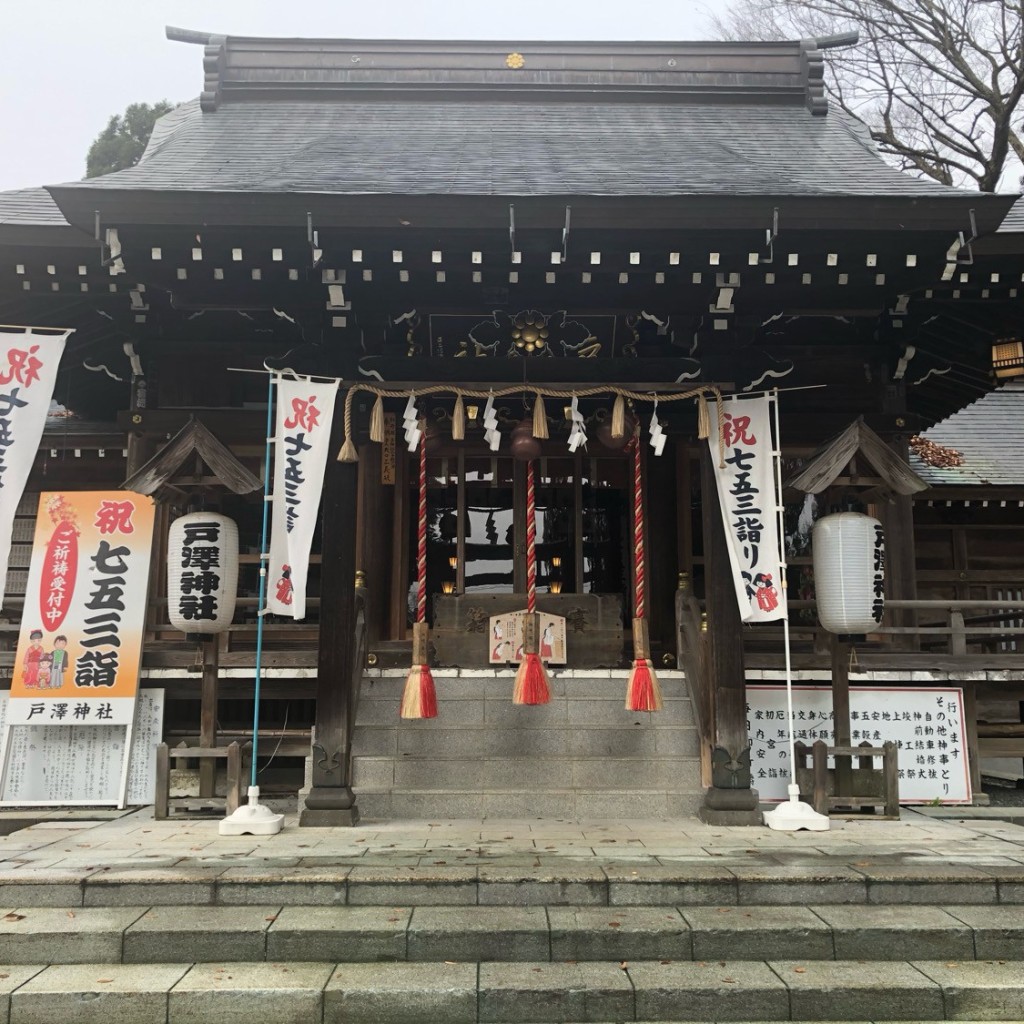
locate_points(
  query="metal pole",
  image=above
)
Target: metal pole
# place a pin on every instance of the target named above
(780, 515)
(264, 558)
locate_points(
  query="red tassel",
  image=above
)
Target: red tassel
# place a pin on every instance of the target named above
(419, 699)
(643, 693)
(532, 685)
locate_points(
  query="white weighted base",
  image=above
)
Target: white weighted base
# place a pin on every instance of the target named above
(794, 815)
(253, 818)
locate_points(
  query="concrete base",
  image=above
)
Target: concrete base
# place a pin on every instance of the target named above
(253, 818)
(339, 818)
(792, 815)
(730, 807)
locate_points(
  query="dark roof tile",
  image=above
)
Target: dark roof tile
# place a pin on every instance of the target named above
(516, 148)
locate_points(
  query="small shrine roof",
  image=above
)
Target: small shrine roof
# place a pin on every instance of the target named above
(988, 434)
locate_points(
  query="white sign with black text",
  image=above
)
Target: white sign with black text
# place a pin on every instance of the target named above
(926, 723)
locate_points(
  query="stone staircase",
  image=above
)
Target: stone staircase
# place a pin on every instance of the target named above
(580, 756)
(465, 945)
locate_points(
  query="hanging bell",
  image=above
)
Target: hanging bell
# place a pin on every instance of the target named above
(524, 445)
(605, 434)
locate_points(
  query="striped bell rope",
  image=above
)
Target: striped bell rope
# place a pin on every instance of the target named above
(419, 699)
(532, 685)
(643, 692)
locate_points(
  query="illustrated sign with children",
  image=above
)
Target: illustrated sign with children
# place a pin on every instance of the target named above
(80, 645)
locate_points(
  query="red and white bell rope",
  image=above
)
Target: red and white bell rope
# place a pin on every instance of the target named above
(419, 700)
(643, 693)
(532, 685)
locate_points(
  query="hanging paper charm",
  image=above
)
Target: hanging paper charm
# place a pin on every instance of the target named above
(411, 424)
(491, 433)
(578, 427)
(658, 436)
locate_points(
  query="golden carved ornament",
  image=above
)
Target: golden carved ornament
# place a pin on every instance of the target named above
(515, 61)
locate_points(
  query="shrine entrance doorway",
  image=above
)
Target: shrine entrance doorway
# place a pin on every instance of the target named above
(477, 552)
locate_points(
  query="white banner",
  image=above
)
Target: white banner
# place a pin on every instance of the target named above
(746, 496)
(302, 441)
(28, 372)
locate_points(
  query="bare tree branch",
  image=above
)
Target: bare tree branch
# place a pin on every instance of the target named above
(939, 83)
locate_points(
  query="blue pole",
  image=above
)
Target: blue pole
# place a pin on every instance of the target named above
(264, 557)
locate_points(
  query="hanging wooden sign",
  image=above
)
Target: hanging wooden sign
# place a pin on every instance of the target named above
(506, 638)
(387, 450)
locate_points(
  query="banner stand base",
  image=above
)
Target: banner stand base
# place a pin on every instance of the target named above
(794, 815)
(253, 819)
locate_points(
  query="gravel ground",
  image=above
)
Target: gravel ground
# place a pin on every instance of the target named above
(1003, 794)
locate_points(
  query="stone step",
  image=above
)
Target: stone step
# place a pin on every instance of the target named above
(429, 934)
(436, 738)
(528, 880)
(533, 774)
(466, 993)
(525, 802)
(580, 756)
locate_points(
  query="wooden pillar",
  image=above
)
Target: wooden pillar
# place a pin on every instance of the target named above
(374, 541)
(731, 800)
(841, 650)
(901, 555)
(331, 801)
(208, 713)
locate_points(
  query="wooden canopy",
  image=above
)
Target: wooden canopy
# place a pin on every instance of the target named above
(194, 437)
(891, 473)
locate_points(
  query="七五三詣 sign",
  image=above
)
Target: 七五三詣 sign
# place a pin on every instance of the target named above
(80, 643)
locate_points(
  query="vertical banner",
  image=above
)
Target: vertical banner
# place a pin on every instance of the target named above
(747, 499)
(28, 372)
(302, 440)
(80, 644)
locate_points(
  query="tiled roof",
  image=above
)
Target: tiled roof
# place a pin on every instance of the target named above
(1014, 220)
(989, 434)
(512, 147)
(30, 206)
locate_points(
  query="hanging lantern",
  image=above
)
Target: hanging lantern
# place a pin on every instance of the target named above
(849, 572)
(202, 572)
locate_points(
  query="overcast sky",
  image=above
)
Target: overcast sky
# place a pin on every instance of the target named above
(69, 64)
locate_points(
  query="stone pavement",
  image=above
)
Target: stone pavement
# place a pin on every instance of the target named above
(122, 918)
(931, 841)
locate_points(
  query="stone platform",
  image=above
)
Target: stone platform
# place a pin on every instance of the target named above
(130, 919)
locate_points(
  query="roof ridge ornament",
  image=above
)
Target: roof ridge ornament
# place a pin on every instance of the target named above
(813, 62)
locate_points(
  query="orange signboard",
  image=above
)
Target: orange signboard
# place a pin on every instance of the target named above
(80, 645)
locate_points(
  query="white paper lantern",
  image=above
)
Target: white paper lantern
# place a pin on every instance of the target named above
(849, 572)
(202, 572)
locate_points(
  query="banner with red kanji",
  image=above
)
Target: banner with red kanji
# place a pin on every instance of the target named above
(82, 628)
(745, 473)
(302, 440)
(28, 372)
